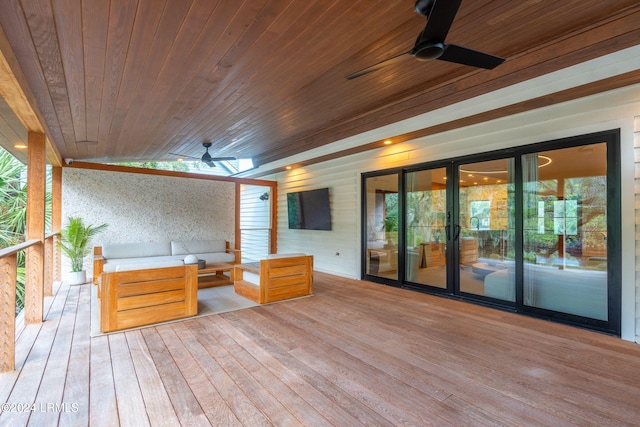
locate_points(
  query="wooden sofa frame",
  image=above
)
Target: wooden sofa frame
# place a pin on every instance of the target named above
(280, 279)
(142, 297)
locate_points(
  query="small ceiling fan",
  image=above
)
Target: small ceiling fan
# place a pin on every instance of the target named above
(206, 157)
(430, 43)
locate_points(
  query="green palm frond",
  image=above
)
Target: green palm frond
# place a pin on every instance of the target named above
(75, 238)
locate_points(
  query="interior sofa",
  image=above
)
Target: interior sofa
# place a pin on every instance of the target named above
(133, 298)
(114, 257)
(569, 290)
(276, 278)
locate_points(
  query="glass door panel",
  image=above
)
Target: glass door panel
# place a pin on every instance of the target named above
(426, 210)
(565, 230)
(487, 229)
(381, 254)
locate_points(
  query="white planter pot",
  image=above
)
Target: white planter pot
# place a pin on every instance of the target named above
(77, 277)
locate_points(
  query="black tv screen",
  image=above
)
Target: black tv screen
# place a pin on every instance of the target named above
(309, 210)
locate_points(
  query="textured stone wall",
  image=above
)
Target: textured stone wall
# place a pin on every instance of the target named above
(148, 208)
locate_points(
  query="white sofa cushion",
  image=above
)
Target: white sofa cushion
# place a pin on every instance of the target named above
(195, 247)
(573, 291)
(147, 265)
(113, 263)
(272, 256)
(135, 250)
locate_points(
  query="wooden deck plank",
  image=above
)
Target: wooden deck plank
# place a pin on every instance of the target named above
(156, 400)
(454, 343)
(103, 407)
(128, 394)
(446, 351)
(49, 402)
(442, 383)
(296, 409)
(184, 402)
(356, 353)
(260, 398)
(396, 402)
(76, 388)
(314, 397)
(410, 398)
(338, 397)
(213, 405)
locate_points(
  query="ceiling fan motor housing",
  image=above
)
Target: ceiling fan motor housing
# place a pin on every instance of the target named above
(428, 50)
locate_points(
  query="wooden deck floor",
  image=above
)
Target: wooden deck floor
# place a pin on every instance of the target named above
(354, 354)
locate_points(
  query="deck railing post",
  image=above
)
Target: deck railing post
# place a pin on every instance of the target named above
(8, 266)
(34, 262)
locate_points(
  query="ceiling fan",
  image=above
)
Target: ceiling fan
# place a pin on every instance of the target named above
(206, 157)
(430, 43)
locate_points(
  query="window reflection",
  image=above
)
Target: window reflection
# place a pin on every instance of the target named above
(382, 226)
(565, 228)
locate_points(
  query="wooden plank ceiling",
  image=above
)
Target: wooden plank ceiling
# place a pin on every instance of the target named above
(140, 79)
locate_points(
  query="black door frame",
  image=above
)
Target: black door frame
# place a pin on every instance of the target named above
(614, 229)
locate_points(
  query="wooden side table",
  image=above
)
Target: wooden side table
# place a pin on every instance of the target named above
(213, 275)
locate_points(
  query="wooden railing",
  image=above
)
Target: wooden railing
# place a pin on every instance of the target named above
(8, 283)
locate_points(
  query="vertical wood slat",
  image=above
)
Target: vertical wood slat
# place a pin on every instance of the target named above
(34, 272)
(8, 266)
(56, 218)
(48, 267)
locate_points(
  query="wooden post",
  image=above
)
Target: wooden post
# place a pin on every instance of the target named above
(8, 313)
(56, 218)
(34, 264)
(273, 234)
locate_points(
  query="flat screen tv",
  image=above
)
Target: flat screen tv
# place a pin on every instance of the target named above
(309, 210)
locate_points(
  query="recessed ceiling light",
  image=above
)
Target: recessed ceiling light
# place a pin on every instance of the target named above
(388, 142)
(288, 168)
(20, 146)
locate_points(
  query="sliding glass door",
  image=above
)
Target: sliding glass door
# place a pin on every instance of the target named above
(426, 227)
(565, 230)
(536, 230)
(380, 227)
(486, 208)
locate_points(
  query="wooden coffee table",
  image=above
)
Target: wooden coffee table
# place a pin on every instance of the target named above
(213, 275)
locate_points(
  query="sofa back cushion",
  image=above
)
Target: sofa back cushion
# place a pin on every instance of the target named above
(135, 250)
(275, 256)
(186, 247)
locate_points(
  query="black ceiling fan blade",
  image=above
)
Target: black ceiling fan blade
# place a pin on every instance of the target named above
(473, 58)
(440, 19)
(221, 159)
(377, 66)
(209, 163)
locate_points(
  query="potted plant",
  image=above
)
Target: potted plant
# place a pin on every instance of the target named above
(75, 239)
